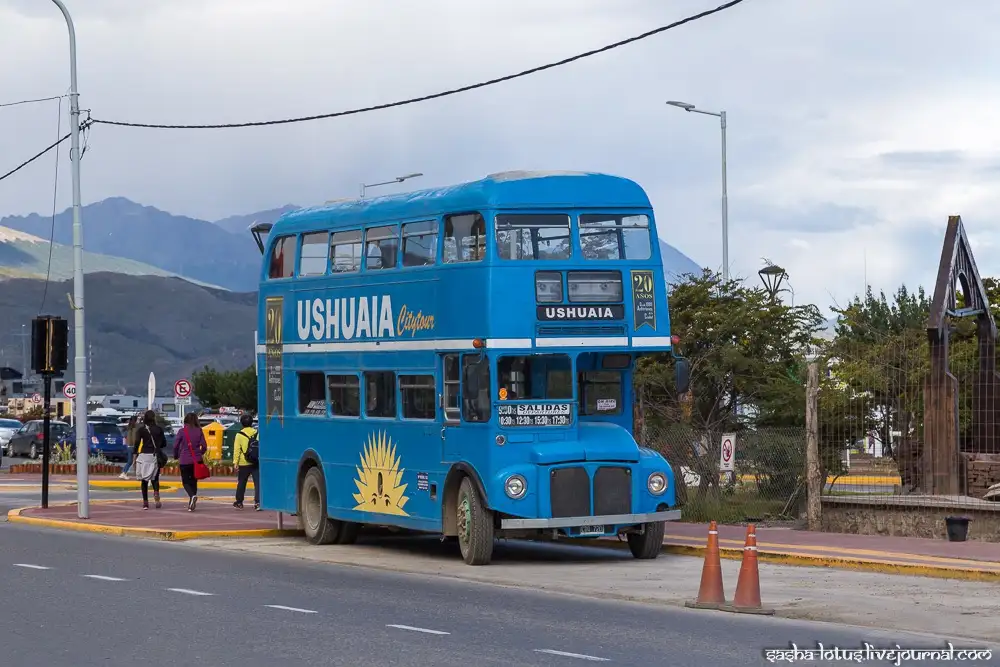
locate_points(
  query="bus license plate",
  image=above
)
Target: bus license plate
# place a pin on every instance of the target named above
(591, 530)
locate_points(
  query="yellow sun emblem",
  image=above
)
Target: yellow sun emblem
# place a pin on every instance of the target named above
(379, 477)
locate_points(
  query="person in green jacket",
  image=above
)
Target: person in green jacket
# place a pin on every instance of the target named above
(245, 469)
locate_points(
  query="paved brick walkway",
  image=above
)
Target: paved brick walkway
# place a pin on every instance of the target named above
(210, 515)
(909, 550)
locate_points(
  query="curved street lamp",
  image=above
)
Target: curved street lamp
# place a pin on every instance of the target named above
(398, 179)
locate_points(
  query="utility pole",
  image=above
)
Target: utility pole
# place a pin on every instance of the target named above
(79, 342)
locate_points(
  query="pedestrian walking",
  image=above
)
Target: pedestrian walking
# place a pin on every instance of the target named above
(190, 448)
(150, 456)
(130, 431)
(247, 462)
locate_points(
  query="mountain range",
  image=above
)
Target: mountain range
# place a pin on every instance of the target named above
(220, 253)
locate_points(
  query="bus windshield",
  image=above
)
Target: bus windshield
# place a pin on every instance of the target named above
(615, 236)
(535, 377)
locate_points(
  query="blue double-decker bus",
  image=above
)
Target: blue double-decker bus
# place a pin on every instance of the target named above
(459, 361)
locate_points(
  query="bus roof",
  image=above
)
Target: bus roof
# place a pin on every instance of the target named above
(512, 189)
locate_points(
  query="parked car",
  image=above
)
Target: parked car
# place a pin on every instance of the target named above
(8, 427)
(29, 439)
(105, 439)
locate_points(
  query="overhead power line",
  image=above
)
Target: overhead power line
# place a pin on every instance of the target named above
(446, 93)
(41, 99)
(33, 158)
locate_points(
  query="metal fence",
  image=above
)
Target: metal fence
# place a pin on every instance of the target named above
(766, 486)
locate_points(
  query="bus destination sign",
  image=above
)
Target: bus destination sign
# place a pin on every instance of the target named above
(535, 414)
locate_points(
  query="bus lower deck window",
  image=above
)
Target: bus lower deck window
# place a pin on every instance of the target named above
(380, 394)
(345, 395)
(312, 394)
(601, 393)
(417, 392)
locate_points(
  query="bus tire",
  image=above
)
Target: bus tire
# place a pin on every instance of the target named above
(318, 526)
(348, 532)
(647, 546)
(475, 525)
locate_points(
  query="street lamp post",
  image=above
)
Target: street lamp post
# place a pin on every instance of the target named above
(80, 357)
(725, 198)
(398, 179)
(772, 276)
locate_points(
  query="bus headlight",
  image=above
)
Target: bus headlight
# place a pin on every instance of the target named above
(516, 486)
(657, 483)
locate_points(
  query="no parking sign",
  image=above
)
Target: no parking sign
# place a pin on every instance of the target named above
(727, 457)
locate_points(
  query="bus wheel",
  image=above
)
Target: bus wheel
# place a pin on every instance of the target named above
(348, 532)
(319, 528)
(475, 526)
(648, 545)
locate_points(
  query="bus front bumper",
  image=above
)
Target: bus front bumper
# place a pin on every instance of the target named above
(607, 520)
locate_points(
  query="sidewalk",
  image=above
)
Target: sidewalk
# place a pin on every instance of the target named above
(972, 560)
(114, 482)
(214, 517)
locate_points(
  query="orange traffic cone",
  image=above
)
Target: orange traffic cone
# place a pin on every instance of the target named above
(710, 595)
(747, 598)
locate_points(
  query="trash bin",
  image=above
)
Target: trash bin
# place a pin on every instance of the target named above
(958, 528)
(213, 438)
(228, 439)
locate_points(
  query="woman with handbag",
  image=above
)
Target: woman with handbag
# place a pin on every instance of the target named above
(149, 457)
(189, 450)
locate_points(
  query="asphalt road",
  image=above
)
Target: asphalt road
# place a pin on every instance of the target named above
(120, 602)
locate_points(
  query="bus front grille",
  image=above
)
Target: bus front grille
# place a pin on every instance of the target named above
(569, 491)
(612, 491)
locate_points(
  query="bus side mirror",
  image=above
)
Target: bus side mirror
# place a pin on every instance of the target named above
(683, 369)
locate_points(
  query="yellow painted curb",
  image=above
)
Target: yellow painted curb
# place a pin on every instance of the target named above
(15, 516)
(130, 484)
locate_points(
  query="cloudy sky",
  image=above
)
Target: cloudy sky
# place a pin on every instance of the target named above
(855, 127)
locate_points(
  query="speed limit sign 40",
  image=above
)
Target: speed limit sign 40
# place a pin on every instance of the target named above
(727, 455)
(69, 390)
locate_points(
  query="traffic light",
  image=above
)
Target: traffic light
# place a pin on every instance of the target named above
(49, 345)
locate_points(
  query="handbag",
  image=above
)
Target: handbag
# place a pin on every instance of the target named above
(201, 470)
(161, 456)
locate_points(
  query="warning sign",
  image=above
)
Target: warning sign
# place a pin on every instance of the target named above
(727, 457)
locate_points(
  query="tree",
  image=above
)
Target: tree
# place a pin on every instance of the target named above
(746, 352)
(226, 388)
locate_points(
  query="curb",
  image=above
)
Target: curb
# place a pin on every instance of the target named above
(835, 562)
(15, 516)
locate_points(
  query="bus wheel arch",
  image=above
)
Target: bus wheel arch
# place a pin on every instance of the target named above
(449, 497)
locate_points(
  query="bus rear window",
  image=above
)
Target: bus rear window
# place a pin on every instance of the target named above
(533, 236)
(615, 236)
(282, 262)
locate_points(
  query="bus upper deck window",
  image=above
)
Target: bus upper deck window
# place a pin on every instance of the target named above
(282, 264)
(464, 238)
(345, 252)
(533, 236)
(420, 241)
(312, 254)
(615, 236)
(382, 247)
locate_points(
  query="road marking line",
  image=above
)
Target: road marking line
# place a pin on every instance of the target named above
(32, 567)
(581, 656)
(284, 608)
(101, 577)
(188, 591)
(413, 629)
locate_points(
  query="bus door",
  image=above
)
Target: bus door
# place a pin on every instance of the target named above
(465, 402)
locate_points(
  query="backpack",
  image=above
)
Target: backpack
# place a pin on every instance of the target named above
(252, 453)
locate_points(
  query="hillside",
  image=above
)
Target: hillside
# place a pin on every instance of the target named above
(25, 256)
(193, 248)
(138, 324)
(239, 224)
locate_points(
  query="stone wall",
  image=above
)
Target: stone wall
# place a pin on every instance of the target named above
(982, 472)
(909, 521)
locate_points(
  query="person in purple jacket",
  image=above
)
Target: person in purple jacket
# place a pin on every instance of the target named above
(189, 447)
